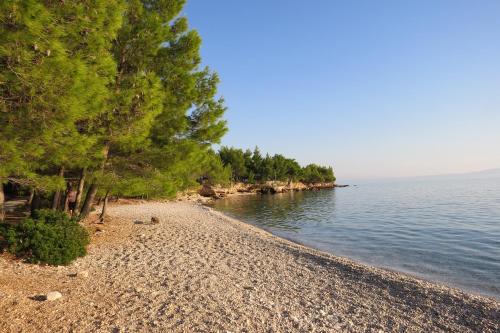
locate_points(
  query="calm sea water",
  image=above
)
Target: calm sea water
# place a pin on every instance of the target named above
(442, 230)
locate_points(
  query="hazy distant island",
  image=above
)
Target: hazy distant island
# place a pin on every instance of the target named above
(108, 121)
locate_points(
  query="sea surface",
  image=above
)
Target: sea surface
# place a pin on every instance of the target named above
(444, 230)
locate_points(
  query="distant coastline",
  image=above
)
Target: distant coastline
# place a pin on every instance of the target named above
(481, 174)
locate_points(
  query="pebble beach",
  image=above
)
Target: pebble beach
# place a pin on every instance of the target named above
(200, 271)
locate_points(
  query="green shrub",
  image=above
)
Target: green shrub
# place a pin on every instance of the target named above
(48, 237)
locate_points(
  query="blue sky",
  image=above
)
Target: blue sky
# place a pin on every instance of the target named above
(373, 88)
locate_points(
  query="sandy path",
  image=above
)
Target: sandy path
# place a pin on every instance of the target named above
(198, 271)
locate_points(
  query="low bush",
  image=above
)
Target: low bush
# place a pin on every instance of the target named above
(48, 237)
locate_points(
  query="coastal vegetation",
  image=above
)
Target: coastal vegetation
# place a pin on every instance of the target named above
(108, 98)
(251, 167)
(49, 237)
(103, 97)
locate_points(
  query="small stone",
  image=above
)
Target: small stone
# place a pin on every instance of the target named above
(83, 274)
(155, 220)
(53, 295)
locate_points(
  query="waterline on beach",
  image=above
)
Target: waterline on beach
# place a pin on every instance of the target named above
(439, 230)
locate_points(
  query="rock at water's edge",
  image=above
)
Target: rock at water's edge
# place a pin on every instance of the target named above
(207, 191)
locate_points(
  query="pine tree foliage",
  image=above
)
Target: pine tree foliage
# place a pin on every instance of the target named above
(251, 167)
(55, 65)
(113, 87)
(113, 92)
(166, 112)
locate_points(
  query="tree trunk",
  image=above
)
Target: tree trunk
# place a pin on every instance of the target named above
(2, 201)
(66, 198)
(104, 208)
(32, 195)
(57, 195)
(35, 203)
(89, 200)
(79, 193)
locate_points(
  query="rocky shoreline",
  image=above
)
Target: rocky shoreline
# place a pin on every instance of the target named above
(270, 187)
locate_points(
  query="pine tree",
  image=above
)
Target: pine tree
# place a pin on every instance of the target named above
(108, 90)
(55, 67)
(164, 115)
(37, 82)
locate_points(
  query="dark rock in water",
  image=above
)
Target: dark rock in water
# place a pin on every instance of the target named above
(266, 190)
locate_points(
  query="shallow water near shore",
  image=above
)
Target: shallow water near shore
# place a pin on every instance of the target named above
(444, 230)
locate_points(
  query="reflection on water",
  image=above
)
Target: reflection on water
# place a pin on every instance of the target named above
(447, 231)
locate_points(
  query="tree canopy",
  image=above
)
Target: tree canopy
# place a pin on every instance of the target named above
(108, 97)
(251, 167)
(112, 87)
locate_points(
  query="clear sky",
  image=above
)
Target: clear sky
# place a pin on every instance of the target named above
(373, 88)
